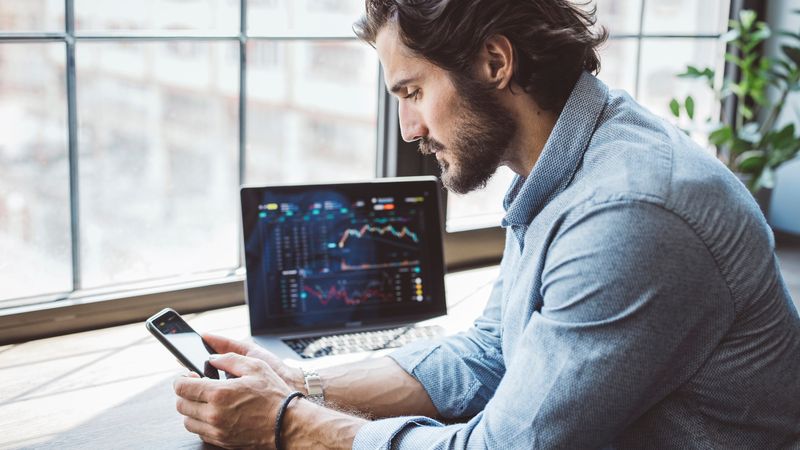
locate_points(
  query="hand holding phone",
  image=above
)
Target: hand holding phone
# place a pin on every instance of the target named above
(183, 342)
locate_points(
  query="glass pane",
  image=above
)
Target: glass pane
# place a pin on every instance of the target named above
(32, 15)
(662, 59)
(159, 158)
(303, 17)
(618, 16)
(482, 208)
(311, 111)
(618, 64)
(219, 16)
(34, 171)
(686, 16)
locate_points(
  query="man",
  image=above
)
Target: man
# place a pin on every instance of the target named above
(639, 303)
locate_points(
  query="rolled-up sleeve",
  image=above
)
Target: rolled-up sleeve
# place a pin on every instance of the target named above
(633, 304)
(461, 372)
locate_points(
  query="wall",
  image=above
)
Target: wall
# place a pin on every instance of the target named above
(785, 208)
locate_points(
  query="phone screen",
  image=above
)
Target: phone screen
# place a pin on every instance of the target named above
(187, 342)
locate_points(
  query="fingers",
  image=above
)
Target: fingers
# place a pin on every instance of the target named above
(196, 410)
(207, 432)
(191, 388)
(234, 364)
(222, 344)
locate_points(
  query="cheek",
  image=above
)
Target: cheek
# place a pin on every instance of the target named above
(442, 117)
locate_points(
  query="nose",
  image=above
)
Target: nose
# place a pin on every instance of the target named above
(412, 127)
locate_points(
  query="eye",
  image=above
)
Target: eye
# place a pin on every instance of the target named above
(413, 95)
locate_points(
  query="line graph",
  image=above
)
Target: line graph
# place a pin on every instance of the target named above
(337, 290)
(367, 228)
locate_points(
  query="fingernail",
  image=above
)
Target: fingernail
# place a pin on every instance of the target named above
(213, 357)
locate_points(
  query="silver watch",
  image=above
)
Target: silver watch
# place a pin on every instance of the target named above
(313, 384)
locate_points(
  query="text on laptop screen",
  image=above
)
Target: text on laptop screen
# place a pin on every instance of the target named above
(337, 254)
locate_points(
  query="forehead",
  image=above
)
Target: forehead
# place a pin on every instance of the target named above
(398, 61)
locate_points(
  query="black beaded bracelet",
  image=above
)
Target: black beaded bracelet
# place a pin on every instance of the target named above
(279, 417)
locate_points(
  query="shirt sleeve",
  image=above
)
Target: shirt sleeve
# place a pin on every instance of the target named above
(633, 304)
(460, 373)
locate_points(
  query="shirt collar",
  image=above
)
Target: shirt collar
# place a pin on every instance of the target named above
(561, 155)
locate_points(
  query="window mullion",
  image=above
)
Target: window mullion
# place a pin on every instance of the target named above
(387, 135)
(72, 150)
(638, 76)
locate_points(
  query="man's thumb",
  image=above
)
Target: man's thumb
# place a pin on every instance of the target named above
(234, 364)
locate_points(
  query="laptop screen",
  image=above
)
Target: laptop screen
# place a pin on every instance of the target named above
(338, 255)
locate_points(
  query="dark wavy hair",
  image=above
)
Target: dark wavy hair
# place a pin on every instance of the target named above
(553, 40)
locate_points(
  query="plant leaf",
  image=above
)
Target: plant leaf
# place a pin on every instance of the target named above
(689, 105)
(721, 135)
(749, 133)
(751, 161)
(789, 34)
(730, 35)
(766, 180)
(747, 17)
(746, 112)
(793, 53)
(675, 107)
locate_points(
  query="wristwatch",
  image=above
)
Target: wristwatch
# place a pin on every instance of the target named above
(313, 384)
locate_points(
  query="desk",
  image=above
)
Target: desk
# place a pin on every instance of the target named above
(112, 388)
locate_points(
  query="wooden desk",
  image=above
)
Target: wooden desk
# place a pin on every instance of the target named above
(112, 388)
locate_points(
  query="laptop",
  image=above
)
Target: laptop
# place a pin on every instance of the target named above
(343, 271)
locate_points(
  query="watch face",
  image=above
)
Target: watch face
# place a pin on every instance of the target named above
(313, 385)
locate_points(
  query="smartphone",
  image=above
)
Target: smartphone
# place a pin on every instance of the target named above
(180, 339)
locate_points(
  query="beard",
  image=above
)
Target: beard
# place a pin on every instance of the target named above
(483, 132)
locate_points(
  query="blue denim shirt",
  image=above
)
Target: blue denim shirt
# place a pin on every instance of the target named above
(639, 305)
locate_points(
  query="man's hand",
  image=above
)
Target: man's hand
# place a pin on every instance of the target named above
(292, 376)
(237, 412)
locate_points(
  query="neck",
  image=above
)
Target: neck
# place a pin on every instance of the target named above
(533, 129)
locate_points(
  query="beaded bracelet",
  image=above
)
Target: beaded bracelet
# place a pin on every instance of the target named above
(279, 417)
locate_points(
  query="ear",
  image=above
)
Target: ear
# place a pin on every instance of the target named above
(496, 61)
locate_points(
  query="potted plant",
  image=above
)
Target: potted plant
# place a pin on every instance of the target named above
(751, 144)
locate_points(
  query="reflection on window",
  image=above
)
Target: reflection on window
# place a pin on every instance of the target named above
(35, 253)
(159, 166)
(32, 16)
(158, 138)
(326, 18)
(313, 114)
(104, 16)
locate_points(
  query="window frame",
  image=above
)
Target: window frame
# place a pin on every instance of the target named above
(80, 309)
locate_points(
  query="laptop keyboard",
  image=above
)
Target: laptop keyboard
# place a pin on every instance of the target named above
(338, 344)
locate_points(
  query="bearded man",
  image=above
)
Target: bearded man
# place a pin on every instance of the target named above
(639, 302)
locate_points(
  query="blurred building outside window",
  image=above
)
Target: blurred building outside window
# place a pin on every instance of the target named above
(157, 99)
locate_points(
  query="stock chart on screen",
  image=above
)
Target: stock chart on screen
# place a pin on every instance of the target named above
(341, 252)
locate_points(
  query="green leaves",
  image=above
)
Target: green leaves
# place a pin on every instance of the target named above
(751, 161)
(721, 136)
(675, 108)
(752, 142)
(793, 53)
(689, 105)
(694, 72)
(747, 17)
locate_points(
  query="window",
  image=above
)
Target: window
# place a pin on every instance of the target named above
(127, 128)
(650, 42)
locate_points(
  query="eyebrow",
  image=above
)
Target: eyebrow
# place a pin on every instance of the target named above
(401, 84)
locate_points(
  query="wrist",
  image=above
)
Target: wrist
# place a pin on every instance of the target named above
(309, 425)
(295, 379)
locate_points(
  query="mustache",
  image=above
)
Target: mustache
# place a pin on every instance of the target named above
(427, 146)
